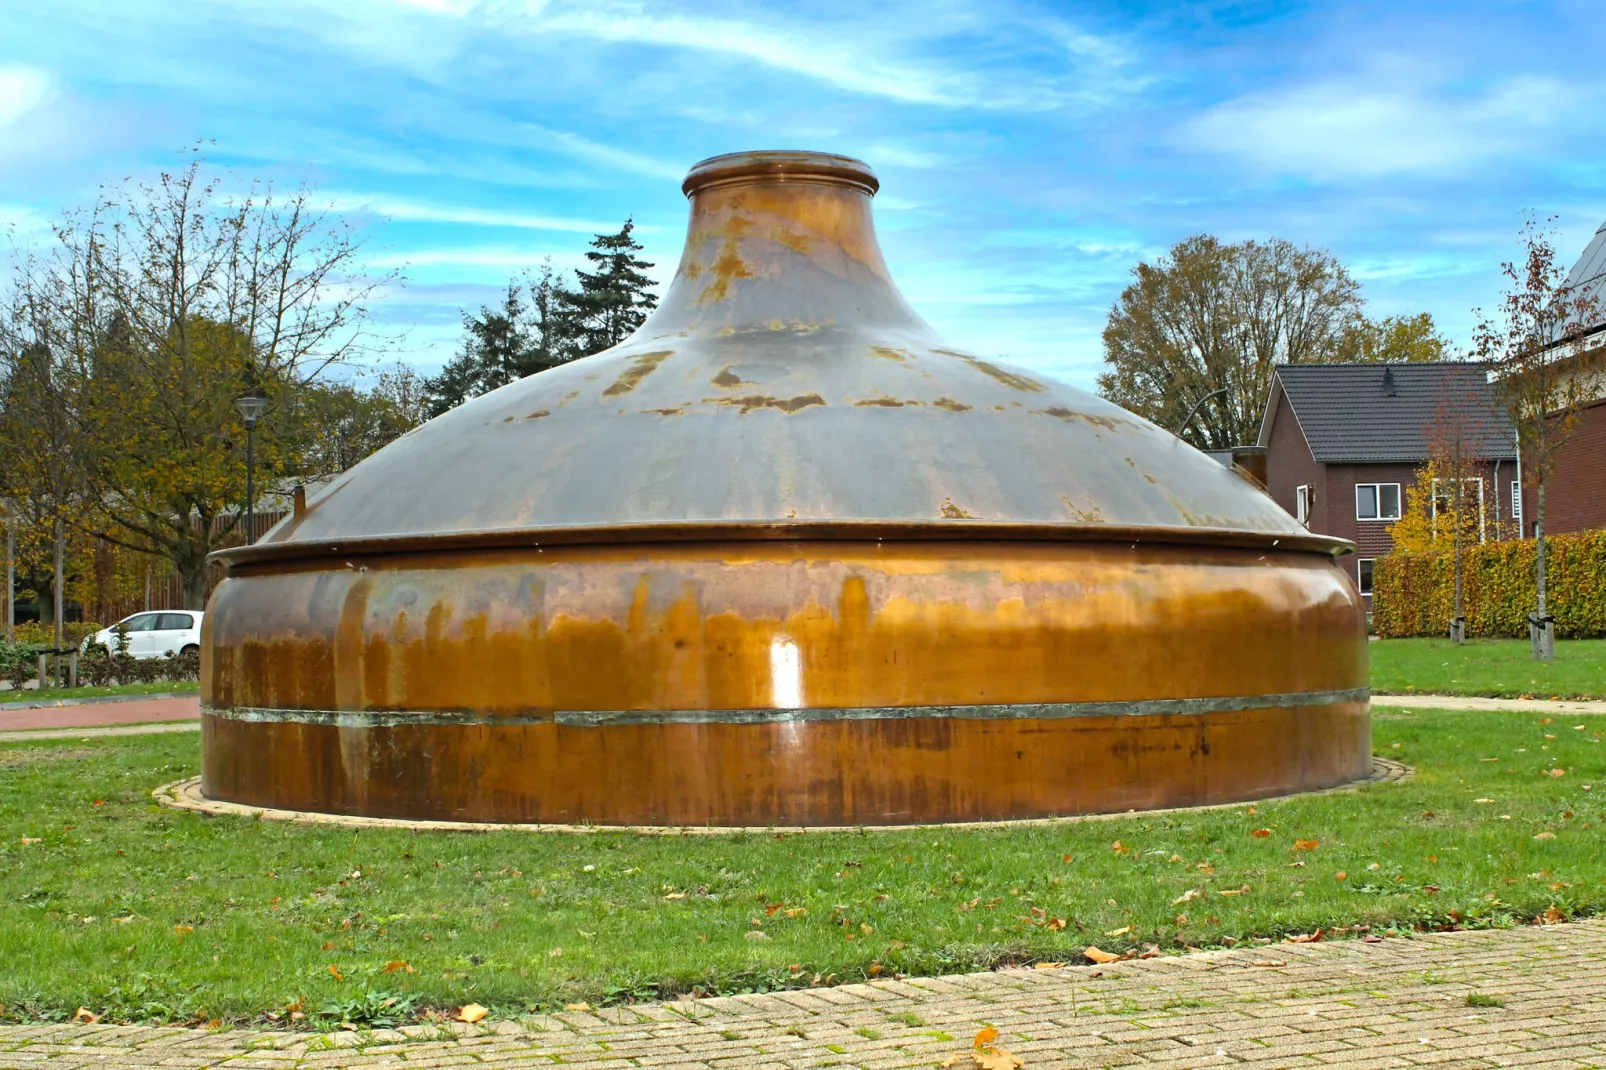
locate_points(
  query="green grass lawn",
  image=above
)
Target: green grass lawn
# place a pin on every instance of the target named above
(52, 694)
(1496, 667)
(140, 913)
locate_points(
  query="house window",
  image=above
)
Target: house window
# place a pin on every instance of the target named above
(1377, 501)
(1302, 497)
(1363, 574)
(1516, 502)
(1471, 498)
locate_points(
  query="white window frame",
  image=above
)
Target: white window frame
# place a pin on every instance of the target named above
(1360, 585)
(1483, 516)
(1377, 496)
(1516, 502)
(1302, 502)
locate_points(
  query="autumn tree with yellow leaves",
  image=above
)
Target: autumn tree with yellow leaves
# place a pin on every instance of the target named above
(1444, 507)
(156, 307)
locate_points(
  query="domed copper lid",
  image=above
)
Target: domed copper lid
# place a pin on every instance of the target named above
(784, 388)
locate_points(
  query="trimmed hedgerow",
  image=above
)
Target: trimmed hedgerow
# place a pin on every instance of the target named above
(1414, 594)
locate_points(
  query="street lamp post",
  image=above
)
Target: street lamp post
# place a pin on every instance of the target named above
(1197, 405)
(250, 406)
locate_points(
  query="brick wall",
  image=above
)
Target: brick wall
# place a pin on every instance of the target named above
(1289, 463)
(1575, 499)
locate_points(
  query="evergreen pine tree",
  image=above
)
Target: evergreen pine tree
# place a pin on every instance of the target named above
(507, 343)
(542, 323)
(613, 300)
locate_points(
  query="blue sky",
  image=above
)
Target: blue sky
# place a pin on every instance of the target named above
(1030, 153)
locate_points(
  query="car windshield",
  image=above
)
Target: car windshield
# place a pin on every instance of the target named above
(143, 622)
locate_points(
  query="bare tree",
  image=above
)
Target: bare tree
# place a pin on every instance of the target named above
(1543, 342)
(164, 301)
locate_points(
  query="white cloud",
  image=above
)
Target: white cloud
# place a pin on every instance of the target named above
(22, 89)
(1366, 127)
(785, 48)
(473, 257)
(402, 210)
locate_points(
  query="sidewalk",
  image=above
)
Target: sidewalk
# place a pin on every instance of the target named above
(133, 711)
(1458, 702)
(1346, 1005)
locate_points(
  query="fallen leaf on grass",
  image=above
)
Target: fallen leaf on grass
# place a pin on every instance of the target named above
(399, 964)
(1187, 897)
(1261, 834)
(26, 840)
(1054, 925)
(1303, 938)
(1120, 848)
(1483, 800)
(1122, 931)
(675, 895)
(581, 1006)
(1558, 772)
(86, 1016)
(1553, 916)
(334, 971)
(1093, 954)
(1545, 836)
(472, 1013)
(1307, 845)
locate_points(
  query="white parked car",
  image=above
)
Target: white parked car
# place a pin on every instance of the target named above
(154, 635)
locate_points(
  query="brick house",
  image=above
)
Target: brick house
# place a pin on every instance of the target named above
(1344, 442)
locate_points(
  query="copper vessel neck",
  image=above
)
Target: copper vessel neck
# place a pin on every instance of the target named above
(781, 238)
(776, 167)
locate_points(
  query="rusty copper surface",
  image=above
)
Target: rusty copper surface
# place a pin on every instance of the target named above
(784, 381)
(782, 557)
(512, 640)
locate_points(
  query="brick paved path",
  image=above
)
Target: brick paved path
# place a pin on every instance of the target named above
(132, 711)
(1346, 1004)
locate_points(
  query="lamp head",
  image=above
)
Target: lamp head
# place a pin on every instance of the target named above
(251, 406)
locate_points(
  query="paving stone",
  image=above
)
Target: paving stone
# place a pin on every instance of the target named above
(1342, 1005)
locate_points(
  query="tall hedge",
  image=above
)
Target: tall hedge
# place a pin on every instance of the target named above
(1414, 594)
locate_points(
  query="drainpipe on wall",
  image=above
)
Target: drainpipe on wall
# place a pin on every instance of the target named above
(1521, 490)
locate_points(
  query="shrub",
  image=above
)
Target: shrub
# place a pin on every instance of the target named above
(1414, 594)
(43, 633)
(95, 668)
(19, 662)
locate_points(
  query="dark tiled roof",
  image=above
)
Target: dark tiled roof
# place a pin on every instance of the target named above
(1348, 414)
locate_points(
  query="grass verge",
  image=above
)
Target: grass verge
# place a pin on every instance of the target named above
(142, 914)
(53, 694)
(1498, 668)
